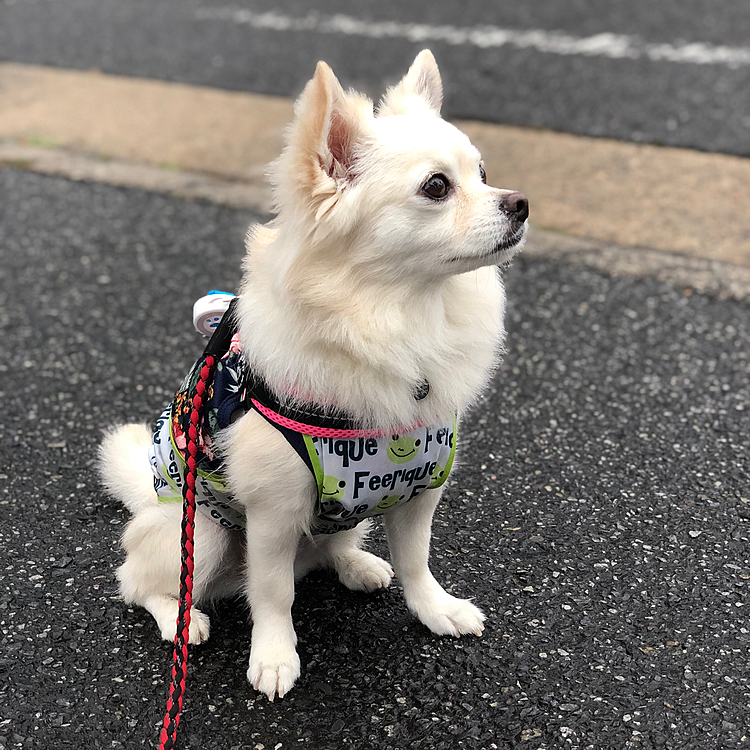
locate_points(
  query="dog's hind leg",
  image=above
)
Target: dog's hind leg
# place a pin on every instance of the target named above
(150, 575)
(164, 609)
(357, 569)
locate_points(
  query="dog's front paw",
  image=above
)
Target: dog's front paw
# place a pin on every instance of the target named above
(445, 614)
(273, 669)
(363, 571)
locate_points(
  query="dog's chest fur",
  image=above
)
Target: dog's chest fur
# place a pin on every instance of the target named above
(367, 354)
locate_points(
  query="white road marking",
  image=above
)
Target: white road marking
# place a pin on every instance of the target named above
(615, 46)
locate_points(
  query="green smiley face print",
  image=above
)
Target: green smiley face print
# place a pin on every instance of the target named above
(333, 488)
(402, 449)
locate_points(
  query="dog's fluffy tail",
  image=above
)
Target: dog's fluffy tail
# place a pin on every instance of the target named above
(124, 467)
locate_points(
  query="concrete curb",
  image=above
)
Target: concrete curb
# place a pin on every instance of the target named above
(182, 184)
(602, 203)
(628, 194)
(706, 276)
(724, 281)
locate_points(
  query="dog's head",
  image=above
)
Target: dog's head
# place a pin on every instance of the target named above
(395, 193)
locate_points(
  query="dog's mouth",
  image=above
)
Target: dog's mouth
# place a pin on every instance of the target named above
(512, 242)
(501, 253)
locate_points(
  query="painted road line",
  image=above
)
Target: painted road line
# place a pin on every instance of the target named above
(606, 44)
(627, 194)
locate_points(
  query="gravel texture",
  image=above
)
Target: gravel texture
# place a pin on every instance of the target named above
(600, 513)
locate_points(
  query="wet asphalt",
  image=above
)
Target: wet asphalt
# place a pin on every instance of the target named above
(600, 512)
(703, 106)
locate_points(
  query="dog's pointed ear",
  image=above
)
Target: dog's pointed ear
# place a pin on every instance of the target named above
(419, 87)
(322, 145)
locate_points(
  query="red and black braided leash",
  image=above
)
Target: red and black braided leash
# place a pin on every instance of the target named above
(168, 737)
(217, 346)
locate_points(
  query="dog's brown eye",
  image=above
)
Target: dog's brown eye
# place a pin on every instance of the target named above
(436, 187)
(483, 174)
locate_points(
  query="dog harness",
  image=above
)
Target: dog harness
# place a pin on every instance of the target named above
(358, 473)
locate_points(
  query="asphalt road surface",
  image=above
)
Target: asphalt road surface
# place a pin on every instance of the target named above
(600, 514)
(675, 72)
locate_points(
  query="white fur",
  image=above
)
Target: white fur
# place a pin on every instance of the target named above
(360, 289)
(122, 469)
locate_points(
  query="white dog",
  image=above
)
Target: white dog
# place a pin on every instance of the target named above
(374, 295)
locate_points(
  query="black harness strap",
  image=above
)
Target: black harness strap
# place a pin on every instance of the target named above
(218, 344)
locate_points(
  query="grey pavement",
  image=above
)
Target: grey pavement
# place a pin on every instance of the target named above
(703, 106)
(600, 513)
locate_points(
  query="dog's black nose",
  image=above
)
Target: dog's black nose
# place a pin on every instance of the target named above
(516, 205)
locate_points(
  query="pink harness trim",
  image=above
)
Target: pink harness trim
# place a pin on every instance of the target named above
(321, 432)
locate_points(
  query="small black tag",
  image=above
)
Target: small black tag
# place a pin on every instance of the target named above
(421, 390)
